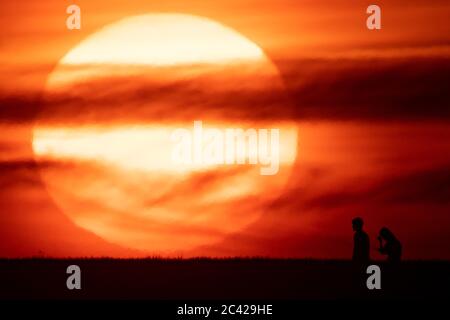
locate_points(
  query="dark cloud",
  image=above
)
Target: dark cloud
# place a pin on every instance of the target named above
(19, 107)
(422, 187)
(359, 89)
(427, 187)
(213, 95)
(30, 164)
(373, 89)
(16, 174)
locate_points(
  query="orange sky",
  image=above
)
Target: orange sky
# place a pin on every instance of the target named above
(371, 109)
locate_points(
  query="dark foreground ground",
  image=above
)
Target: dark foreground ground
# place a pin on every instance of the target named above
(220, 279)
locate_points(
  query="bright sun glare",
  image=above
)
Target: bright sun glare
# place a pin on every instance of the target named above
(162, 40)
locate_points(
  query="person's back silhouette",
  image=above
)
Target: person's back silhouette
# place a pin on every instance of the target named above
(361, 242)
(391, 247)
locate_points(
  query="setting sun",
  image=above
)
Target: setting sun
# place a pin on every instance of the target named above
(163, 40)
(127, 88)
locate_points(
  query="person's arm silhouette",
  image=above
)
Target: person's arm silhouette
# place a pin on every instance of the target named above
(381, 248)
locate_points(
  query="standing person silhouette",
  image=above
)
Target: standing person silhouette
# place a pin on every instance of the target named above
(361, 242)
(391, 246)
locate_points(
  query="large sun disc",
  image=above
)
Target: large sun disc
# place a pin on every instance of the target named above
(104, 133)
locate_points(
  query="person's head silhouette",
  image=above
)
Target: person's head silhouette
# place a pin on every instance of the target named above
(387, 234)
(357, 224)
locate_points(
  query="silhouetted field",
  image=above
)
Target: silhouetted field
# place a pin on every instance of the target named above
(236, 278)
